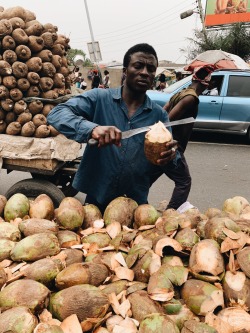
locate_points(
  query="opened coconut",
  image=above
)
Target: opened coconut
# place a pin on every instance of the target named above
(155, 142)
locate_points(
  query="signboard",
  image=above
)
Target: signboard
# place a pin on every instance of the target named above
(94, 51)
(222, 12)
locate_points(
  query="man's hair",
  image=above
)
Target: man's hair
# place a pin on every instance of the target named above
(143, 47)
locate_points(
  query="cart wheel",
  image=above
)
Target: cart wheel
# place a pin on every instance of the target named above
(34, 187)
(63, 182)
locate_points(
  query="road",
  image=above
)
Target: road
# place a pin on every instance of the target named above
(219, 169)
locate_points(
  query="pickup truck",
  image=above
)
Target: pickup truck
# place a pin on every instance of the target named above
(229, 112)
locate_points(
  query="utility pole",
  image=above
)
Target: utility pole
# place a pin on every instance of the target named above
(202, 19)
(91, 30)
(200, 11)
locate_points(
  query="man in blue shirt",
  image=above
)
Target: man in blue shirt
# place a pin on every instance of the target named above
(116, 167)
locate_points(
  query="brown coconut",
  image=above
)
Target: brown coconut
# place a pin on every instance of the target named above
(42, 207)
(84, 300)
(35, 297)
(120, 210)
(36, 225)
(91, 214)
(155, 142)
(82, 273)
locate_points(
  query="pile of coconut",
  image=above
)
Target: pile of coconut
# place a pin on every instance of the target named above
(33, 63)
(132, 269)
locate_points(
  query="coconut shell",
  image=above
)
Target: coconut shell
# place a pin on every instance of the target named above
(3, 201)
(35, 297)
(84, 300)
(243, 257)
(201, 297)
(18, 319)
(36, 247)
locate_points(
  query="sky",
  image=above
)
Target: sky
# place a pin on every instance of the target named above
(117, 25)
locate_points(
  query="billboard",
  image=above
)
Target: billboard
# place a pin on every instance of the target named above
(220, 12)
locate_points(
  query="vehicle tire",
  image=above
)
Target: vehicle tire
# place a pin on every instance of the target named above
(34, 187)
(248, 136)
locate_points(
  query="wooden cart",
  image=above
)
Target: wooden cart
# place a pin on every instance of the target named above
(51, 177)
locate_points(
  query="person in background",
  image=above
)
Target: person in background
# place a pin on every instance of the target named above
(95, 79)
(162, 82)
(83, 85)
(181, 105)
(78, 80)
(212, 89)
(178, 76)
(106, 80)
(116, 167)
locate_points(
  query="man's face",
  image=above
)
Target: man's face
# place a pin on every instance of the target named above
(141, 71)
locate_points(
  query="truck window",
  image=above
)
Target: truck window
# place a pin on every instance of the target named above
(238, 86)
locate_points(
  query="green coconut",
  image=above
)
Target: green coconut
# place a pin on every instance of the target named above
(46, 328)
(42, 207)
(158, 323)
(120, 210)
(34, 247)
(3, 201)
(3, 277)
(26, 292)
(84, 300)
(18, 320)
(145, 214)
(102, 240)
(44, 270)
(142, 305)
(17, 206)
(70, 213)
(91, 214)
(68, 238)
(196, 327)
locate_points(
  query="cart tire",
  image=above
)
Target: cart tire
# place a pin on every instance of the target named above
(34, 187)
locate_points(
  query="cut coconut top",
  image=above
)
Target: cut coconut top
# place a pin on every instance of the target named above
(158, 133)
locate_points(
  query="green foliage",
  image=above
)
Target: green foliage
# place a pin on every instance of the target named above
(73, 52)
(235, 39)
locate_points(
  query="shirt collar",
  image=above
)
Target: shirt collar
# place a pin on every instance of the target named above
(117, 95)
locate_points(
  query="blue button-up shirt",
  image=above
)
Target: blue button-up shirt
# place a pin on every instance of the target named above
(108, 172)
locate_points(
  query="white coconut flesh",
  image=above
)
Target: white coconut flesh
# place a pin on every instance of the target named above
(158, 133)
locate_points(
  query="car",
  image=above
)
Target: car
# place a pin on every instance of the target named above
(228, 112)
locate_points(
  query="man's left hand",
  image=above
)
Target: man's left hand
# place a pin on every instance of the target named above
(169, 154)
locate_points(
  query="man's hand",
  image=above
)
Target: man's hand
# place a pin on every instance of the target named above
(169, 154)
(107, 135)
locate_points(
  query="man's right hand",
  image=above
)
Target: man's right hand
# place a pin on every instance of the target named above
(107, 135)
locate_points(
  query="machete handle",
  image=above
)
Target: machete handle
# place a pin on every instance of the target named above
(93, 142)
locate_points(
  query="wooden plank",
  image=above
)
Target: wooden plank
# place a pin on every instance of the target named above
(34, 165)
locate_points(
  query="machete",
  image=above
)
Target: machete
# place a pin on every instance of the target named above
(132, 132)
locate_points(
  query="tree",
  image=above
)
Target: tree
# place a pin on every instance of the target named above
(235, 39)
(73, 52)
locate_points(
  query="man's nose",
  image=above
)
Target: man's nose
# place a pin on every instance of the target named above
(144, 71)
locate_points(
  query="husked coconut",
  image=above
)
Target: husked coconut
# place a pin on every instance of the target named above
(155, 142)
